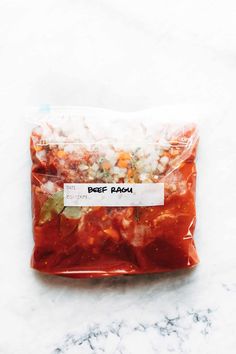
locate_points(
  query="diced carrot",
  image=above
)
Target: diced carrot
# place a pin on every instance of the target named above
(61, 153)
(167, 154)
(123, 159)
(113, 233)
(38, 147)
(124, 156)
(130, 173)
(106, 165)
(123, 163)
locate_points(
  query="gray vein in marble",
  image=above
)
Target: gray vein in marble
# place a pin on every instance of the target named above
(229, 287)
(96, 338)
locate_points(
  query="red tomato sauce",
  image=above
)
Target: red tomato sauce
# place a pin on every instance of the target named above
(108, 241)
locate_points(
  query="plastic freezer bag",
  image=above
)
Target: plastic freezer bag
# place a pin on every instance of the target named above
(112, 193)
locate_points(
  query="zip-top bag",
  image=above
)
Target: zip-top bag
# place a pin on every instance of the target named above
(112, 193)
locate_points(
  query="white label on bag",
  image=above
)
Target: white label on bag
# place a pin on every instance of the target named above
(113, 194)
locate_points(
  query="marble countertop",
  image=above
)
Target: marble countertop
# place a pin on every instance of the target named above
(124, 55)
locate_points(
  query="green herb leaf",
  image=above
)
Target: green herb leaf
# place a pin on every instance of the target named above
(73, 212)
(106, 174)
(53, 205)
(100, 160)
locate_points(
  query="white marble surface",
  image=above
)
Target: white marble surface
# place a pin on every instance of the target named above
(125, 55)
